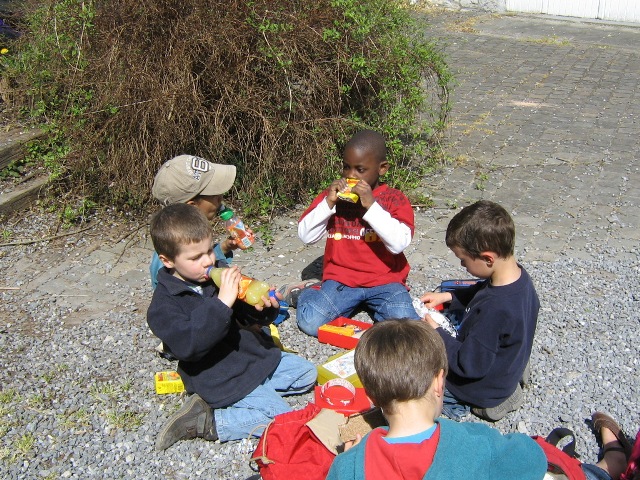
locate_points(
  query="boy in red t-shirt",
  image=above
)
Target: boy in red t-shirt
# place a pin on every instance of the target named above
(364, 264)
(402, 366)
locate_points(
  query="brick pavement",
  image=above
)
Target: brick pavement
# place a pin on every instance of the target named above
(545, 121)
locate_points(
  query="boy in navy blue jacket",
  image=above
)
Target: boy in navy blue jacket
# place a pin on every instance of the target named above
(237, 376)
(488, 357)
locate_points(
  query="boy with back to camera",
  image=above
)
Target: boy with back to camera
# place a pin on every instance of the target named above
(402, 366)
(236, 375)
(364, 264)
(488, 357)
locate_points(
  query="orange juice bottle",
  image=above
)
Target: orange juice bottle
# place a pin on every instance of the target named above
(237, 229)
(250, 290)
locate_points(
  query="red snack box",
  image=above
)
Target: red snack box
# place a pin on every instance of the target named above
(325, 335)
(335, 396)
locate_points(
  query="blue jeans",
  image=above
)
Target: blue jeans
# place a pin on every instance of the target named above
(319, 306)
(592, 472)
(253, 413)
(453, 408)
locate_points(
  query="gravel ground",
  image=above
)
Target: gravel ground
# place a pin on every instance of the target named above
(76, 383)
(77, 396)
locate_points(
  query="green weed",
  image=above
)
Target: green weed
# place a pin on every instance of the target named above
(52, 374)
(35, 400)
(23, 446)
(78, 214)
(317, 73)
(16, 168)
(108, 393)
(481, 179)
(104, 391)
(124, 419)
(550, 40)
(79, 418)
(9, 395)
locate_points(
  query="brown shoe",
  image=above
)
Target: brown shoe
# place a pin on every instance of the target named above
(193, 420)
(494, 414)
(601, 420)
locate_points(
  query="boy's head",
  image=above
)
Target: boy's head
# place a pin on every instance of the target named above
(182, 237)
(482, 227)
(397, 360)
(364, 157)
(194, 180)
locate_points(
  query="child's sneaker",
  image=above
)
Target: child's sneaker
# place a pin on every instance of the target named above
(291, 291)
(526, 375)
(494, 414)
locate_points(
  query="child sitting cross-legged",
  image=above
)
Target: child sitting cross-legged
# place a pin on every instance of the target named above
(364, 266)
(489, 356)
(236, 375)
(402, 365)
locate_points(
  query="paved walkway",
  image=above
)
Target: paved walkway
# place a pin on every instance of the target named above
(546, 121)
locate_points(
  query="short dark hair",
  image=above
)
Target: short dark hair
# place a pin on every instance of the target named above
(176, 225)
(397, 360)
(369, 141)
(481, 227)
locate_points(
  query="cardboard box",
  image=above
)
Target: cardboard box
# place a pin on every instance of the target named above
(168, 382)
(339, 366)
(342, 332)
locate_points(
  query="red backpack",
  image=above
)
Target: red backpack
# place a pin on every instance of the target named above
(288, 449)
(562, 464)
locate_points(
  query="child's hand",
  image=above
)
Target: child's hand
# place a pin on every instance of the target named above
(232, 243)
(432, 323)
(229, 244)
(335, 187)
(229, 285)
(270, 301)
(352, 443)
(363, 190)
(433, 299)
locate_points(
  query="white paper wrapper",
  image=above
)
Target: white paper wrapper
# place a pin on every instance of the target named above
(439, 318)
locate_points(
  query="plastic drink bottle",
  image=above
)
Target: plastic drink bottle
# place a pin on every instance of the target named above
(237, 229)
(250, 290)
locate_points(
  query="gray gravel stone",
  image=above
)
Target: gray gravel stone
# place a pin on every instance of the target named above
(78, 398)
(77, 358)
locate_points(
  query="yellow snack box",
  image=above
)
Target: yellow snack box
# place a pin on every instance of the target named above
(168, 382)
(339, 366)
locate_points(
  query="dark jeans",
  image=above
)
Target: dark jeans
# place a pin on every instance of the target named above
(453, 408)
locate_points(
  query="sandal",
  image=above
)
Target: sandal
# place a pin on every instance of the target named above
(613, 449)
(601, 420)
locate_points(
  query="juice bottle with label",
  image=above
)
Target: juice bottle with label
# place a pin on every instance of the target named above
(237, 229)
(250, 290)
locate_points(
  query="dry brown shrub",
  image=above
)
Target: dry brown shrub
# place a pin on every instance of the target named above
(250, 83)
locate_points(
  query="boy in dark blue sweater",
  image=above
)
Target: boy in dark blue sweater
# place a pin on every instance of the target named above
(488, 357)
(237, 375)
